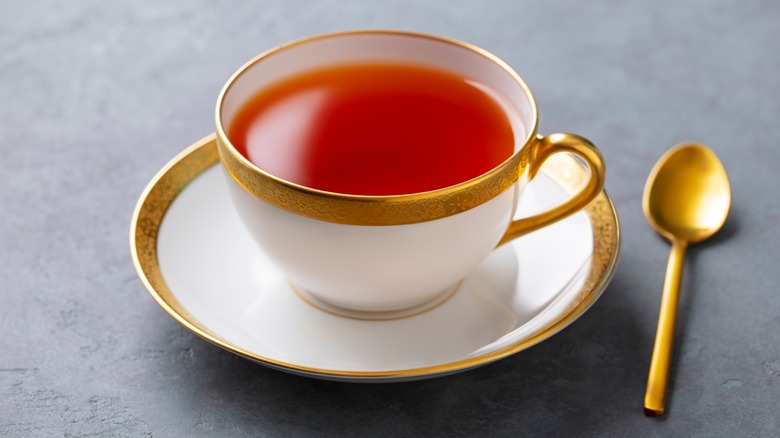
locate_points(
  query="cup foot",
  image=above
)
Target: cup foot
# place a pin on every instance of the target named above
(344, 312)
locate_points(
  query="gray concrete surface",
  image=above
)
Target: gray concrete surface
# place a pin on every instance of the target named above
(96, 96)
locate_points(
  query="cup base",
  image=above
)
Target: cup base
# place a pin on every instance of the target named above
(344, 312)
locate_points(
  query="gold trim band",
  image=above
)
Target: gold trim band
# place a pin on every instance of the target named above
(373, 210)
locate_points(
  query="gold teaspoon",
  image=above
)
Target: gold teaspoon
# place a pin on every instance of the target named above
(686, 199)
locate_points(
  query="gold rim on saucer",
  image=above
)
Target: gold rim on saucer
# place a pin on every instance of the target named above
(186, 166)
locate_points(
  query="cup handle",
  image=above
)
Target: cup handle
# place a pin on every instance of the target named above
(543, 148)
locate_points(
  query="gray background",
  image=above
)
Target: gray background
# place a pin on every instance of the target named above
(96, 96)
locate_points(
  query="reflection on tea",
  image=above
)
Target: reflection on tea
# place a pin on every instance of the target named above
(374, 129)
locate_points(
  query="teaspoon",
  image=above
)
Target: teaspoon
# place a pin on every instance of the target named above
(686, 200)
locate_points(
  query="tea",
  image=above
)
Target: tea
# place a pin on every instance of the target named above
(374, 129)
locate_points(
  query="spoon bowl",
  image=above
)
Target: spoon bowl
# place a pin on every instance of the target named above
(687, 195)
(686, 199)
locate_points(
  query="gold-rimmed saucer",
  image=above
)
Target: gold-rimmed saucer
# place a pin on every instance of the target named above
(196, 260)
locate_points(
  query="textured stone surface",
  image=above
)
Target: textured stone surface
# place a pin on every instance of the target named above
(96, 96)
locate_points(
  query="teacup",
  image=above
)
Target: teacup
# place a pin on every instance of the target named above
(386, 253)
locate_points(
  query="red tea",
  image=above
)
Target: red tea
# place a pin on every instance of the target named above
(374, 129)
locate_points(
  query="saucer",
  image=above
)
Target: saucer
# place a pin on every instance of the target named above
(194, 256)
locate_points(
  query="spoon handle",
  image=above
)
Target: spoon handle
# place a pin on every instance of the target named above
(658, 377)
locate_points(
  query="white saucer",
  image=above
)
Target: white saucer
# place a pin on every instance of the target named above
(195, 258)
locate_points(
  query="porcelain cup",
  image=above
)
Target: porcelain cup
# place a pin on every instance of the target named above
(385, 253)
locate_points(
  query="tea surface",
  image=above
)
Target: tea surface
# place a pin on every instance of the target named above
(374, 129)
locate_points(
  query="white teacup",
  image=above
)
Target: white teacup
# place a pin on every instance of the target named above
(385, 253)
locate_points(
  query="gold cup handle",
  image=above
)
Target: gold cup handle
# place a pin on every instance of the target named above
(543, 148)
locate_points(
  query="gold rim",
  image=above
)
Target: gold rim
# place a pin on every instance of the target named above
(375, 210)
(186, 166)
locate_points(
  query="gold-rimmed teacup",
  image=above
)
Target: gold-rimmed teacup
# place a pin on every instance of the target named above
(385, 253)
